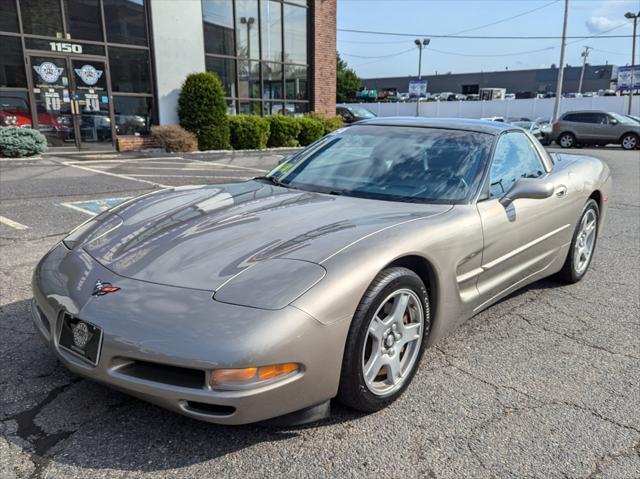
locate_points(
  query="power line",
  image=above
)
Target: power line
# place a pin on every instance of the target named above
(505, 19)
(378, 56)
(483, 37)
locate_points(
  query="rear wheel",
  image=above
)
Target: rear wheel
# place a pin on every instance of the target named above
(629, 141)
(567, 140)
(583, 244)
(386, 340)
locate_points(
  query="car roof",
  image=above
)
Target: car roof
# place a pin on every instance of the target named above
(464, 124)
(585, 111)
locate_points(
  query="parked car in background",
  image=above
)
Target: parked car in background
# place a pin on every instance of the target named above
(494, 118)
(596, 128)
(473, 97)
(510, 96)
(538, 130)
(590, 94)
(353, 113)
(403, 97)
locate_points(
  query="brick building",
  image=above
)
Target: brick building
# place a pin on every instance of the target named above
(88, 73)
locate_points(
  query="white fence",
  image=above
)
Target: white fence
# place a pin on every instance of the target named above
(529, 108)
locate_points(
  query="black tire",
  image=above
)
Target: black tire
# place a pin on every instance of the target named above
(568, 274)
(630, 141)
(566, 140)
(353, 391)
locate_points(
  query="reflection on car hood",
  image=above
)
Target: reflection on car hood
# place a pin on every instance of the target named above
(199, 237)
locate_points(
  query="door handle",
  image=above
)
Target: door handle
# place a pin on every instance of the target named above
(561, 191)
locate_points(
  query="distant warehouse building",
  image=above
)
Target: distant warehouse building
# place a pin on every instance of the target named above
(524, 83)
(93, 73)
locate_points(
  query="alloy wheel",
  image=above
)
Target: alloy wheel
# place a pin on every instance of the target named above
(392, 345)
(583, 248)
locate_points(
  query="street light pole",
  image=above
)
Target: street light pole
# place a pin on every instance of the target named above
(556, 106)
(248, 22)
(421, 44)
(633, 16)
(585, 54)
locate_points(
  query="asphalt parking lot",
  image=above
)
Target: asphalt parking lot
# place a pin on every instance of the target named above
(544, 384)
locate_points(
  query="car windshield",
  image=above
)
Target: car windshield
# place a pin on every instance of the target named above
(360, 112)
(419, 165)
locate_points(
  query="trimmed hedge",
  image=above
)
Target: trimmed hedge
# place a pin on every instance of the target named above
(249, 132)
(330, 123)
(18, 142)
(284, 131)
(174, 138)
(202, 110)
(310, 130)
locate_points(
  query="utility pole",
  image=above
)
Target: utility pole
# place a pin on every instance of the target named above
(556, 107)
(633, 16)
(421, 44)
(584, 55)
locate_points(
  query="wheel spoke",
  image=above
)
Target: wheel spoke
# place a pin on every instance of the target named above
(590, 227)
(373, 366)
(393, 368)
(410, 333)
(376, 328)
(399, 307)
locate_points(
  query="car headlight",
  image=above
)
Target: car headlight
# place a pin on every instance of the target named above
(92, 229)
(270, 284)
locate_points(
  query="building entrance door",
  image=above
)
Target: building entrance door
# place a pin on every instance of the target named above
(71, 100)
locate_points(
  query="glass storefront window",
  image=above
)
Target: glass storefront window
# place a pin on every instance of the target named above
(41, 17)
(132, 115)
(130, 71)
(125, 21)
(249, 75)
(14, 109)
(84, 20)
(231, 107)
(296, 82)
(225, 68)
(272, 80)
(218, 26)
(8, 16)
(249, 107)
(12, 72)
(295, 34)
(271, 30)
(247, 29)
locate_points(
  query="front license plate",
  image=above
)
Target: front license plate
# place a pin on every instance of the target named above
(81, 338)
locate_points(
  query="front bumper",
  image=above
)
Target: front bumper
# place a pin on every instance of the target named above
(160, 343)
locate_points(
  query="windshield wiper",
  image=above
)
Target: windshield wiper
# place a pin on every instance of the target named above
(269, 179)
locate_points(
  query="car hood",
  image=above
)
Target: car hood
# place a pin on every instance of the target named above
(199, 237)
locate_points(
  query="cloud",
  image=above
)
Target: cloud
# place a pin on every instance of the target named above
(599, 24)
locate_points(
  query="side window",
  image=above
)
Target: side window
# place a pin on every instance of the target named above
(514, 157)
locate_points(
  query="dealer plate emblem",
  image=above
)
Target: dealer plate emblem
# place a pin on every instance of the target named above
(81, 334)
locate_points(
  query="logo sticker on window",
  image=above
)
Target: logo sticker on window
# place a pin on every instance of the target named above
(48, 71)
(89, 74)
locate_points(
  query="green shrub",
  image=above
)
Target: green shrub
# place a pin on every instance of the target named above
(17, 142)
(284, 131)
(310, 130)
(330, 123)
(249, 132)
(174, 138)
(203, 111)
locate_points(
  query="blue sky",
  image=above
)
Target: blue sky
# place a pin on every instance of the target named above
(586, 17)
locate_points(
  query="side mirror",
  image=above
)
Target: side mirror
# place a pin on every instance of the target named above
(532, 188)
(613, 121)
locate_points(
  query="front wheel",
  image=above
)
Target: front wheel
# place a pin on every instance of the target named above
(629, 141)
(567, 140)
(583, 244)
(386, 340)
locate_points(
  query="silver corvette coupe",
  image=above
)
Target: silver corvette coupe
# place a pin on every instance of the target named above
(326, 278)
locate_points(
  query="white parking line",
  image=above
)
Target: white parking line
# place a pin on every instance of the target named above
(193, 176)
(13, 224)
(124, 160)
(228, 166)
(125, 177)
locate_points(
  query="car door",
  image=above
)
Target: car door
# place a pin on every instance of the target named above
(600, 128)
(524, 237)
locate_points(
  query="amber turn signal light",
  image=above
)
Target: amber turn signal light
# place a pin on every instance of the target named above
(222, 377)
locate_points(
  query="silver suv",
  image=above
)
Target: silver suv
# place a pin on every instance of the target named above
(596, 128)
